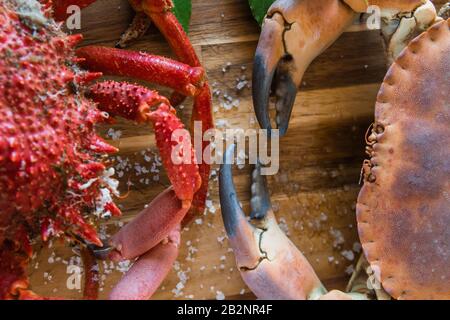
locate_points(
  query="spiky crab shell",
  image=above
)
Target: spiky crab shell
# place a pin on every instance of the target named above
(403, 209)
(49, 151)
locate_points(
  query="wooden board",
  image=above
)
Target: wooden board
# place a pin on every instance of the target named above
(314, 193)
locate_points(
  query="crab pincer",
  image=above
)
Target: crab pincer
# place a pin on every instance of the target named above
(294, 33)
(269, 262)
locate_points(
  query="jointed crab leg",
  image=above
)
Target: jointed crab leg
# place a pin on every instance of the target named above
(137, 29)
(160, 13)
(142, 237)
(91, 274)
(138, 103)
(146, 274)
(161, 219)
(269, 262)
(155, 69)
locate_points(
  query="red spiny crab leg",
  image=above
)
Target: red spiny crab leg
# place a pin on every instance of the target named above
(144, 236)
(160, 13)
(155, 69)
(269, 262)
(140, 104)
(202, 112)
(91, 274)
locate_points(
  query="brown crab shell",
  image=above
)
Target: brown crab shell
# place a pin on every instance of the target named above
(403, 209)
(400, 5)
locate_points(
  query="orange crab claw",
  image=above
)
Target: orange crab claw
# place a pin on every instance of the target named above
(293, 34)
(154, 237)
(269, 262)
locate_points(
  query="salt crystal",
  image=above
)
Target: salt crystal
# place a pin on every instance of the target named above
(220, 295)
(348, 254)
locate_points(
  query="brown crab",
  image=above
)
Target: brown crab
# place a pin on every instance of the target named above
(403, 210)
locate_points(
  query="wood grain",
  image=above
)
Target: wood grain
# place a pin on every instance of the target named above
(315, 191)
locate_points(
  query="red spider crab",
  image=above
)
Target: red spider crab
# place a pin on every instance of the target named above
(53, 166)
(402, 210)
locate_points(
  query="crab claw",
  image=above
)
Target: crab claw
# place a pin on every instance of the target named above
(269, 262)
(293, 34)
(153, 238)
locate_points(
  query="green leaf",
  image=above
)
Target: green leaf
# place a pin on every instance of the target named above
(260, 8)
(182, 10)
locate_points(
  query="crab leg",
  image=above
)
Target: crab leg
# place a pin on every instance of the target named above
(155, 69)
(160, 13)
(137, 29)
(140, 104)
(92, 281)
(161, 218)
(147, 273)
(202, 112)
(269, 262)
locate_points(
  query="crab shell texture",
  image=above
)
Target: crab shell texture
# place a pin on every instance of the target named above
(403, 209)
(400, 5)
(50, 154)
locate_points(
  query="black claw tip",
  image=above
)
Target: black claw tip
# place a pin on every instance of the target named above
(101, 253)
(231, 209)
(262, 81)
(286, 92)
(260, 201)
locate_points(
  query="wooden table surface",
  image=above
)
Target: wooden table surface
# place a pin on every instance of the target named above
(315, 191)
